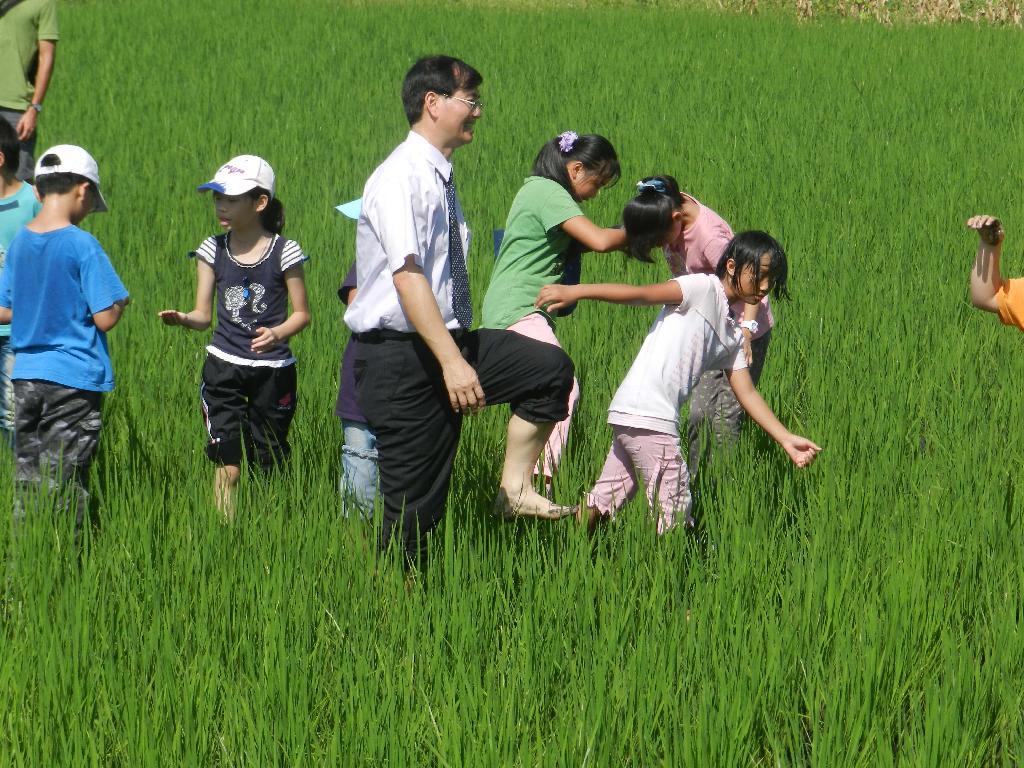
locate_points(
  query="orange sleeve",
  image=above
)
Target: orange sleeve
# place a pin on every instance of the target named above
(1010, 299)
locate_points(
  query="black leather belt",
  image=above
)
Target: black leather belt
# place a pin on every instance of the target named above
(377, 335)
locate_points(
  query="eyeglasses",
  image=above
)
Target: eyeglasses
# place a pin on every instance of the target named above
(656, 184)
(473, 105)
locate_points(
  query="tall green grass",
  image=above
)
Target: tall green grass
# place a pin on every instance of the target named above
(863, 612)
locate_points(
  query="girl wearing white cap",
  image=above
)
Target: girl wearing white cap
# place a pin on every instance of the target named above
(248, 391)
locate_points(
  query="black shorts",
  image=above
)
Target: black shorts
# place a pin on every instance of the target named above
(247, 411)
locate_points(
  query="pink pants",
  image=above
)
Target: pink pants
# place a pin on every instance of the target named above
(656, 457)
(535, 326)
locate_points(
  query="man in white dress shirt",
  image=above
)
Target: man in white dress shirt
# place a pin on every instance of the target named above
(420, 368)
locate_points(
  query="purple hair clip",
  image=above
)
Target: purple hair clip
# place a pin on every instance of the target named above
(566, 141)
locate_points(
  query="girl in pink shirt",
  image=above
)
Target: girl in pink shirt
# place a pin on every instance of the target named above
(693, 238)
(694, 333)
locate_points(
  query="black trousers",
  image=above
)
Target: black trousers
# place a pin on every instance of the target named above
(247, 410)
(401, 391)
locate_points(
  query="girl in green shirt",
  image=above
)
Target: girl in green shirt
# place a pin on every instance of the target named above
(544, 221)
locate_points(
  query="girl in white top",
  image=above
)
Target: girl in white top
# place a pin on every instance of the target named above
(249, 387)
(693, 333)
(693, 238)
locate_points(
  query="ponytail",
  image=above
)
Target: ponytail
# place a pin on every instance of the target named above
(648, 216)
(271, 217)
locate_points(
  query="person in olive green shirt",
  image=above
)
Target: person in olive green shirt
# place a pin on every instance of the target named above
(542, 224)
(28, 46)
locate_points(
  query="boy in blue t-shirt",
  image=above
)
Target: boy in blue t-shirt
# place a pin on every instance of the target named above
(61, 295)
(18, 205)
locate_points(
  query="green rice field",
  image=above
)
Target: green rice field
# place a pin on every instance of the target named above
(863, 612)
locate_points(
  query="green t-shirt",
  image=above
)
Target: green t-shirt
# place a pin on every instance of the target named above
(21, 29)
(532, 252)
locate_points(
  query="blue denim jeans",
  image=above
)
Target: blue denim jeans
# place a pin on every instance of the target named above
(358, 469)
(6, 391)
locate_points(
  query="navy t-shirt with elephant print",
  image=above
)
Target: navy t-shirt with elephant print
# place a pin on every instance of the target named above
(249, 296)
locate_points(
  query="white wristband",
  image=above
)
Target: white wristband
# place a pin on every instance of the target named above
(750, 325)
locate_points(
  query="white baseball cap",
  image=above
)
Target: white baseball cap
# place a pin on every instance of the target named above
(73, 160)
(240, 175)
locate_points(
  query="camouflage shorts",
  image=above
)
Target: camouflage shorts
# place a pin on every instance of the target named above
(56, 432)
(715, 409)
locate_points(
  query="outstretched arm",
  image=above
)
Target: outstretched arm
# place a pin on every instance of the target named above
(553, 297)
(799, 449)
(199, 318)
(985, 278)
(593, 237)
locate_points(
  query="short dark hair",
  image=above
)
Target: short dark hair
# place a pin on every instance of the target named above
(10, 146)
(746, 249)
(648, 216)
(595, 152)
(440, 74)
(59, 183)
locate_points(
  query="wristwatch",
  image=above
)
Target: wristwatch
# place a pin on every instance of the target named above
(750, 325)
(37, 107)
